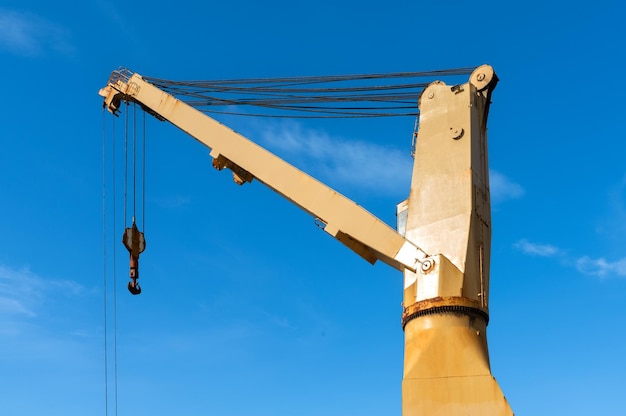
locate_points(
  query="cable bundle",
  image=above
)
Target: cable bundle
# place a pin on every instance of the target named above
(338, 96)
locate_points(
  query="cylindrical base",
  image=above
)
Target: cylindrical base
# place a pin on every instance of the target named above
(446, 368)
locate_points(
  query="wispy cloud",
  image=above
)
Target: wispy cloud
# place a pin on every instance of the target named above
(18, 292)
(503, 188)
(601, 267)
(27, 34)
(9, 306)
(612, 224)
(380, 169)
(22, 292)
(172, 201)
(585, 264)
(534, 249)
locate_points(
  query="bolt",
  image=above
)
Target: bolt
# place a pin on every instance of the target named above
(457, 132)
(431, 95)
(427, 265)
(480, 77)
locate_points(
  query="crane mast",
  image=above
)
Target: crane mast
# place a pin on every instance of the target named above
(446, 360)
(442, 244)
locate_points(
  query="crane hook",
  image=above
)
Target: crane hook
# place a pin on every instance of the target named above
(133, 285)
(135, 243)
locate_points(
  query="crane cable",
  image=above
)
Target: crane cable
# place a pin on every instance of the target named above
(104, 264)
(133, 239)
(104, 267)
(335, 96)
(125, 164)
(134, 162)
(105, 271)
(143, 175)
(133, 156)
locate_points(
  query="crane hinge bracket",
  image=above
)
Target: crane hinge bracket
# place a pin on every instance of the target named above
(359, 248)
(240, 175)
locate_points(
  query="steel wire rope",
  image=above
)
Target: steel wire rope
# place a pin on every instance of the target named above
(334, 110)
(319, 79)
(104, 267)
(143, 177)
(114, 268)
(391, 109)
(212, 100)
(134, 162)
(104, 264)
(392, 104)
(175, 86)
(280, 94)
(337, 116)
(125, 162)
(337, 112)
(345, 94)
(209, 87)
(114, 179)
(208, 100)
(383, 102)
(370, 102)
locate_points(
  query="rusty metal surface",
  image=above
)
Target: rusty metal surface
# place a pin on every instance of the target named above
(445, 305)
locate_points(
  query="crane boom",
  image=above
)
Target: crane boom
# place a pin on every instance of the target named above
(341, 217)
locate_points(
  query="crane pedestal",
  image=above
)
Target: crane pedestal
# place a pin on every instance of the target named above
(446, 368)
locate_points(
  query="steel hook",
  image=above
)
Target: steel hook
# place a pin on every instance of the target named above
(134, 288)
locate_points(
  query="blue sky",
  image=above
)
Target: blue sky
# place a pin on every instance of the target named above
(247, 307)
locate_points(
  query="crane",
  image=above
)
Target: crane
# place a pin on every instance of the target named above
(441, 243)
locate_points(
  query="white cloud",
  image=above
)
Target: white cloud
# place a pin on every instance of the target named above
(172, 201)
(543, 250)
(18, 292)
(27, 34)
(601, 267)
(380, 169)
(9, 306)
(586, 265)
(612, 224)
(503, 188)
(22, 292)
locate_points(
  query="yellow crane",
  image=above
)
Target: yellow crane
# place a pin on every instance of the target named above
(442, 242)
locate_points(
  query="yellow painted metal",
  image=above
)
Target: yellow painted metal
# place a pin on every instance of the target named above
(343, 219)
(447, 369)
(446, 363)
